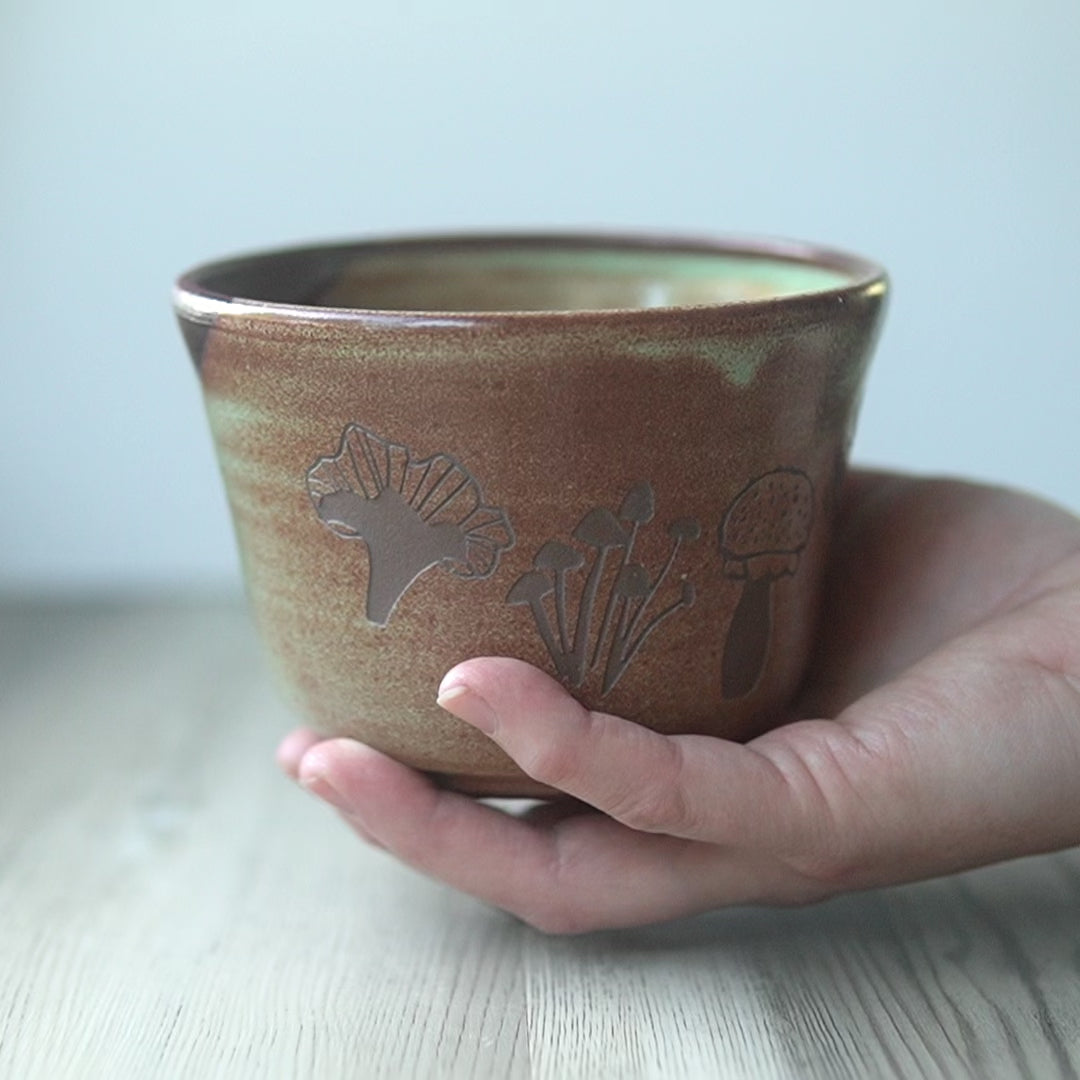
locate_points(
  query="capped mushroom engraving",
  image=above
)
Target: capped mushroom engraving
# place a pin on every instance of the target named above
(762, 536)
(411, 514)
(611, 618)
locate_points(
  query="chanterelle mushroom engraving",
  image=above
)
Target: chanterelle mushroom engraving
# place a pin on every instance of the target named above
(761, 537)
(412, 515)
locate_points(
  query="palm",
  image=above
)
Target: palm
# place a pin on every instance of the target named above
(948, 664)
(917, 562)
(939, 728)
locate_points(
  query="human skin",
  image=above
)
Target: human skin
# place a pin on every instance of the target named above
(938, 730)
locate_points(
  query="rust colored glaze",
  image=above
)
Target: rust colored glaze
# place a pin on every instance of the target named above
(439, 449)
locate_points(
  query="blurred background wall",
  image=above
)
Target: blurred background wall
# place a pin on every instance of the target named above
(942, 138)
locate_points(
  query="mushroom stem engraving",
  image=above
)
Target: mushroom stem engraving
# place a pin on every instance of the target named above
(748, 639)
(615, 671)
(764, 531)
(558, 558)
(681, 531)
(531, 588)
(600, 529)
(416, 546)
(637, 508)
(630, 591)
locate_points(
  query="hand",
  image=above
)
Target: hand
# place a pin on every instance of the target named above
(939, 730)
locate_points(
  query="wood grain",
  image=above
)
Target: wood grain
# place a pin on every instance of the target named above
(170, 907)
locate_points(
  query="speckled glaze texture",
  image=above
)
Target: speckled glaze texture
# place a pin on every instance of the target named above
(637, 500)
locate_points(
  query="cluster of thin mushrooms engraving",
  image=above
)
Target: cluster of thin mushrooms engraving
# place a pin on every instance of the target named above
(613, 618)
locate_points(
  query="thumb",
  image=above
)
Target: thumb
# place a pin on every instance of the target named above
(692, 786)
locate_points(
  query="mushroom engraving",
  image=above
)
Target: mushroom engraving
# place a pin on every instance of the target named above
(762, 535)
(411, 514)
(614, 601)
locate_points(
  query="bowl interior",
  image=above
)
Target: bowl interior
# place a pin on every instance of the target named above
(503, 275)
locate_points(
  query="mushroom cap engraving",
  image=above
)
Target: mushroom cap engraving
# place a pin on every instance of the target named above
(684, 529)
(530, 588)
(600, 528)
(768, 525)
(438, 490)
(555, 555)
(638, 505)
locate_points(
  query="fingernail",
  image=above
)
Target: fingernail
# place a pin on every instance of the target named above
(466, 704)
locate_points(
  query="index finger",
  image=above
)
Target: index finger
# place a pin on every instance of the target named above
(580, 873)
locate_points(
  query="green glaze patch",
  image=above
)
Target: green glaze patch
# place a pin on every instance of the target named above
(739, 365)
(231, 414)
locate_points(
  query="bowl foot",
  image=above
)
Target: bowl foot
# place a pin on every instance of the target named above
(495, 787)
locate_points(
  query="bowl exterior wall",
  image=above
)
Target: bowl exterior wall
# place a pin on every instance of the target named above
(639, 504)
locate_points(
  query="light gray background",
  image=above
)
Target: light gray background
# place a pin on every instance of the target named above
(941, 138)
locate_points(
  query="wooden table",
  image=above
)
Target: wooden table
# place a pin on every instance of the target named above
(171, 907)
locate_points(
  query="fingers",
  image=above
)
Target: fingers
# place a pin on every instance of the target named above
(425, 826)
(571, 874)
(688, 824)
(292, 748)
(970, 756)
(688, 786)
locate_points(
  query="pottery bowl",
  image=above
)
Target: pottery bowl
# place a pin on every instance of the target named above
(616, 458)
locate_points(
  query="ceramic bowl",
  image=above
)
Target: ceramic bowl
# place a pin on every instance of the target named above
(616, 458)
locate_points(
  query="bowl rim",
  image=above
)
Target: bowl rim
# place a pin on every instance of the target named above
(197, 302)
